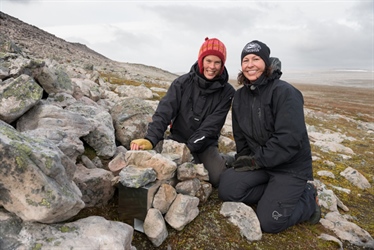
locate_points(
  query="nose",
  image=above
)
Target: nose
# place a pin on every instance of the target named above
(248, 63)
(211, 64)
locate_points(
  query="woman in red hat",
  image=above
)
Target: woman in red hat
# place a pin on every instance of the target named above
(196, 105)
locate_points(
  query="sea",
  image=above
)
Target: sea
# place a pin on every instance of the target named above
(347, 78)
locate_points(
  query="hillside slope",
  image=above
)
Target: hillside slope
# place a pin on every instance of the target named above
(37, 43)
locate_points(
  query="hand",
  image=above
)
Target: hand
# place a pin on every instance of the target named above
(140, 144)
(245, 163)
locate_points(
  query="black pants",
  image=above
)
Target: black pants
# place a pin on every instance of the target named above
(282, 200)
(213, 162)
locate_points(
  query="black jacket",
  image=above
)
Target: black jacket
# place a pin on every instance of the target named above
(195, 107)
(268, 122)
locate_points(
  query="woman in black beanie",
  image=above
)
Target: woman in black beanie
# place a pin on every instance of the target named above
(273, 166)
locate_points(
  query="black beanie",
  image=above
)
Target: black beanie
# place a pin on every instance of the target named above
(257, 48)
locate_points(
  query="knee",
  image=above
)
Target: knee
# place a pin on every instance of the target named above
(273, 222)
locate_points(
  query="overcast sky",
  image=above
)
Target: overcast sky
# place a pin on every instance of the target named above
(304, 35)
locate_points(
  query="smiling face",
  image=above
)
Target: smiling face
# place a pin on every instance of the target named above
(252, 67)
(212, 66)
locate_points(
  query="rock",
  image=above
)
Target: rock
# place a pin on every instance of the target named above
(102, 137)
(177, 151)
(130, 119)
(183, 210)
(331, 238)
(243, 217)
(326, 173)
(155, 227)
(136, 177)
(54, 80)
(164, 198)
(141, 91)
(93, 232)
(117, 163)
(95, 185)
(17, 96)
(188, 187)
(34, 179)
(356, 178)
(189, 170)
(346, 230)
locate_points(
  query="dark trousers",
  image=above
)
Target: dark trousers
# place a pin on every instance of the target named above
(282, 200)
(213, 162)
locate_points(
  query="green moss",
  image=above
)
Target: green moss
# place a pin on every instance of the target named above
(89, 151)
(45, 203)
(115, 79)
(21, 162)
(66, 229)
(37, 246)
(31, 202)
(67, 192)
(50, 239)
(48, 161)
(57, 243)
(59, 98)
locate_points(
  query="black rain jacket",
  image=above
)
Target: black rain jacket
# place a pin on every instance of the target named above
(195, 107)
(268, 123)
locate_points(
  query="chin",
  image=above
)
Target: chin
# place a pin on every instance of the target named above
(209, 77)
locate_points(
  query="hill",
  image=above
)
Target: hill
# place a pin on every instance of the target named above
(37, 43)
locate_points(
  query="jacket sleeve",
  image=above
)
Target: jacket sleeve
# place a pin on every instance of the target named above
(211, 127)
(166, 110)
(242, 147)
(289, 128)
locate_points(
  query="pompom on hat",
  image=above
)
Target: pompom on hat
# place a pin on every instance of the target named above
(257, 48)
(214, 47)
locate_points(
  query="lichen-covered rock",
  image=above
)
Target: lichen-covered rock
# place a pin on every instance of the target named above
(17, 96)
(34, 182)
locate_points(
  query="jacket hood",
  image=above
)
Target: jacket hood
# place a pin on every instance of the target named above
(206, 85)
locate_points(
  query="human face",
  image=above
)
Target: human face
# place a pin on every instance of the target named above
(212, 66)
(252, 67)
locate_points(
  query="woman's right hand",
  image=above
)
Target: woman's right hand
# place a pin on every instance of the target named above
(141, 144)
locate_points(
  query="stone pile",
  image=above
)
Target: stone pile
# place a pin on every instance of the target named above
(183, 186)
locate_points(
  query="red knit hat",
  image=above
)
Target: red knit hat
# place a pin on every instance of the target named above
(212, 47)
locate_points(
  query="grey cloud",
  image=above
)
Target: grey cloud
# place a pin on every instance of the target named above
(200, 19)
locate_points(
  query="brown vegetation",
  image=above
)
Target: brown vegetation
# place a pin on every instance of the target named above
(357, 103)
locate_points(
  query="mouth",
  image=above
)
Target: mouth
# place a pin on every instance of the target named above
(251, 72)
(211, 72)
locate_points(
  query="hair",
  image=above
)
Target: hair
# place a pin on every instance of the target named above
(242, 79)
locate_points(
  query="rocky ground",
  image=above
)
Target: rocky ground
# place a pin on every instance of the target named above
(332, 108)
